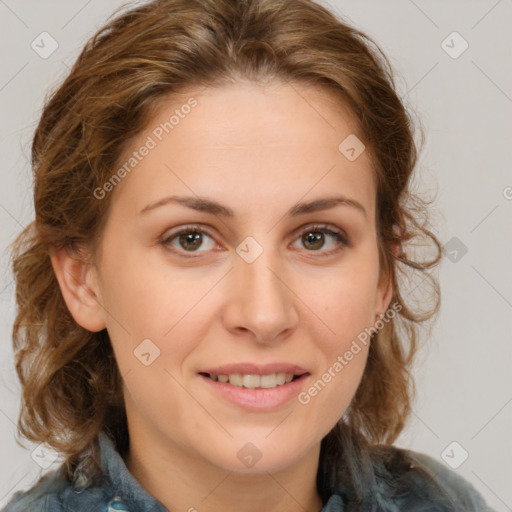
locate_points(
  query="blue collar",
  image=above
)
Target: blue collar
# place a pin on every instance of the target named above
(126, 487)
(129, 494)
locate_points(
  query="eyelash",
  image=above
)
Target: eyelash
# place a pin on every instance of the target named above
(337, 235)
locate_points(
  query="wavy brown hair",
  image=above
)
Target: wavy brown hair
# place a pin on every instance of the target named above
(71, 387)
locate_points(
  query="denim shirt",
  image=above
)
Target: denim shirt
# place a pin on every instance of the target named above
(121, 492)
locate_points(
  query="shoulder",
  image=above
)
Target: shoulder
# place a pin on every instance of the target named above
(99, 482)
(424, 483)
(42, 496)
(53, 492)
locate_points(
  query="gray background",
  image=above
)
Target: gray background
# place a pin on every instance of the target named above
(463, 373)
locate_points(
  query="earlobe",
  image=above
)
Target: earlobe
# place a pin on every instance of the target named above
(78, 284)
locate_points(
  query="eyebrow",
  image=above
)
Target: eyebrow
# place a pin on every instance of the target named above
(209, 206)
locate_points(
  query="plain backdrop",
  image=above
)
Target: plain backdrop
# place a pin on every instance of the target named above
(453, 65)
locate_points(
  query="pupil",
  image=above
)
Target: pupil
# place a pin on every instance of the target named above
(313, 238)
(190, 240)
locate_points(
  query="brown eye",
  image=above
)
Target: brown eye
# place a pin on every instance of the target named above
(315, 238)
(189, 240)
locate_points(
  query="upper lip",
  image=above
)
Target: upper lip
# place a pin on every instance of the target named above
(256, 369)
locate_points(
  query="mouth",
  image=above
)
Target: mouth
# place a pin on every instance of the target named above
(252, 381)
(257, 388)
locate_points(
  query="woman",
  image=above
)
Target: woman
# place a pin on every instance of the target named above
(210, 305)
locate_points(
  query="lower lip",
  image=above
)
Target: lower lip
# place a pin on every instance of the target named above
(258, 399)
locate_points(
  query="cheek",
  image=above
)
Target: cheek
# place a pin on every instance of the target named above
(348, 314)
(342, 350)
(346, 302)
(144, 293)
(345, 306)
(145, 299)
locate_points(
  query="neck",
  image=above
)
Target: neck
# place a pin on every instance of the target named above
(182, 481)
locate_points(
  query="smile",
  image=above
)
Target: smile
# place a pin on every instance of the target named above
(252, 392)
(249, 381)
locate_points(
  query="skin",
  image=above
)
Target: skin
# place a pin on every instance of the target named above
(257, 149)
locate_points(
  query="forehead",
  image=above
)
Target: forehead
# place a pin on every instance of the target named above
(248, 114)
(279, 140)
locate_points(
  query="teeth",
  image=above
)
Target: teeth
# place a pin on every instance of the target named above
(254, 381)
(251, 381)
(235, 379)
(268, 381)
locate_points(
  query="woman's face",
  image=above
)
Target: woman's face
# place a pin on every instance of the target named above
(264, 280)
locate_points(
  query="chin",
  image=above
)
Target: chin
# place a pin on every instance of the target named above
(257, 457)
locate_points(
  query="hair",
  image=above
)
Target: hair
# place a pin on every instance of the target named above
(71, 386)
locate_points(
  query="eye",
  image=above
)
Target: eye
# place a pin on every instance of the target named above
(315, 238)
(189, 239)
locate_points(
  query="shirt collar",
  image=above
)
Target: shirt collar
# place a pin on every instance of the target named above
(132, 493)
(124, 483)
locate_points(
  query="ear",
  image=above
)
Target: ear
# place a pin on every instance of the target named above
(384, 293)
(78, 284)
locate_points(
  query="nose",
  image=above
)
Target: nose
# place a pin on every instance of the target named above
(260, 301)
